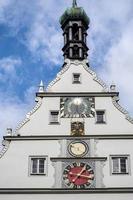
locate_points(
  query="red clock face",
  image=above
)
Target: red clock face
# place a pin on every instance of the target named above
(78, 175)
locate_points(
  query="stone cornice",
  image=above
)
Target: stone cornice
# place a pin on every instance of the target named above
(77, 158)
(60, 137)
(37, 106)
(81, 94)
(68, 63)
(65, 191)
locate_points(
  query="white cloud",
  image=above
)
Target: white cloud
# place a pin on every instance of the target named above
(8, 68)
(9, 64)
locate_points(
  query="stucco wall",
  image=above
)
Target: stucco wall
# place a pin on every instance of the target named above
(68, 196)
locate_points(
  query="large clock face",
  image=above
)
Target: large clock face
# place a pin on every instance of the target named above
(77, 107)
(78, 175)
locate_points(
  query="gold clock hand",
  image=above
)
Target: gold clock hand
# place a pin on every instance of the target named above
(85, 176)
(78, 175)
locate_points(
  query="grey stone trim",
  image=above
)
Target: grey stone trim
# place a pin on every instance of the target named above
(68, 62)
(115, 101)
(37, 106)
(65, 191)
(59, 137)
(5, 144)
(81, 94)
(79, 158)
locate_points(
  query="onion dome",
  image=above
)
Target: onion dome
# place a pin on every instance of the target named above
(74, 13)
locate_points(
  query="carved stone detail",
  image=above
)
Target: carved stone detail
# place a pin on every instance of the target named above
(102, 174)
(68, 62)
(121, 109)
(37, 106)
(5, 144)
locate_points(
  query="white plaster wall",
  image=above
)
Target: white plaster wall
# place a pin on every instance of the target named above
(14, 165)
(65, 83)
(67, 196)
(116, 147)
(39, 121)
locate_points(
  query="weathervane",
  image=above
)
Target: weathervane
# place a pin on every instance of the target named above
(74, 3)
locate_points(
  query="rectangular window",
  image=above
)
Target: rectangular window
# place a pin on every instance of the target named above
(100, 116)
(76, 78)
(120, 164)
(38, 165)
(54, 117)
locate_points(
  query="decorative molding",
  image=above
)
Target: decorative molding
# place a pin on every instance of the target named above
(58, 76)
(78, 158)
(117, 190)
(103, 164)
(37, 106)
(115, 101)
(68, 62)
(59, 137)
(75, 94)
(6, 145)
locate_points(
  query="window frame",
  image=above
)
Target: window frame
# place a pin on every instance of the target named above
(73, 79)
(45, 166)
(104, 117)
(52, 122)
(128, 168)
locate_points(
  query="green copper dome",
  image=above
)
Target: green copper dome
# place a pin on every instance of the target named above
(74, 13)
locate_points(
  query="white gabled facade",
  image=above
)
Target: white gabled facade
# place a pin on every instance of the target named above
(76, 143)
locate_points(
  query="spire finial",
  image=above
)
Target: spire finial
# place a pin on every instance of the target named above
(74, 3)
(41, 87)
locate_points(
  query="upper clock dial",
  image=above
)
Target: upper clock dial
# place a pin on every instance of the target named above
(77, 148)
(77, 107)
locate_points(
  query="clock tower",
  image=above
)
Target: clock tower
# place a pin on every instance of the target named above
(77, 141)
(74, 23)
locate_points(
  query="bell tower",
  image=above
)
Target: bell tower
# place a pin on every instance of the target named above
(74, 23)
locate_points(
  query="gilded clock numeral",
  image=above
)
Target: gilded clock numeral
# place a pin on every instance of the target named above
(88, 184)
(82, 186)
(68, 167)
(82, 164)
(75, 164)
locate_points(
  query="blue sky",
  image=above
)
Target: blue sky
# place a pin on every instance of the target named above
(30, 49)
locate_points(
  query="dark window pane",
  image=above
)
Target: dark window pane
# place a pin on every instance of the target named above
(54, 116)
(100, 116)
(34, 165)
(41, 165)
(76, 78)
(123, 165)
(115, 165)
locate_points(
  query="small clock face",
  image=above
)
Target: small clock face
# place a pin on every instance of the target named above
(77, 148)
(78, 175)
(77, 107)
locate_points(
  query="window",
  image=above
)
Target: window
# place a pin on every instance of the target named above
(54, 117)
(38, 165)
(100, 117)
(76, 78)
(75, 51)
(120, 164)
